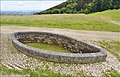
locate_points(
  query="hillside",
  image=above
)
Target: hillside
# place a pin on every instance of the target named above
(95, 22)
(110, 14)
(70, 6)
(82, 6)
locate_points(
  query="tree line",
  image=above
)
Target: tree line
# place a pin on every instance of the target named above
(83, 6)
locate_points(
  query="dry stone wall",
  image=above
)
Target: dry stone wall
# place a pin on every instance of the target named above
(81, 52)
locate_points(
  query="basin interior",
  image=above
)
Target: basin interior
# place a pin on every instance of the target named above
(67, 43)
(50, 47)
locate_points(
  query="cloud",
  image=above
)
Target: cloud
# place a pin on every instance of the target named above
(20, 2)
(28, 5)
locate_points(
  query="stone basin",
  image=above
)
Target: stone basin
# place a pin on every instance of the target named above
(81, 52)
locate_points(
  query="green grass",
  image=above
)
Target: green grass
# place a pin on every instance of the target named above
(69, 21)
(48, 73)
(6, 71)
(32, 73)
(110, 14)
(111, 73)
(113, 47)
(48, 47)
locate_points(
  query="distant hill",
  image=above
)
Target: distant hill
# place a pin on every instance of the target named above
(82, 6)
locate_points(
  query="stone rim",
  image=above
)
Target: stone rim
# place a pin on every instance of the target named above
(81, 58)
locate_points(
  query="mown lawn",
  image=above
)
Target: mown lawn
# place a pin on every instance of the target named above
(48, 47)
(93, 22)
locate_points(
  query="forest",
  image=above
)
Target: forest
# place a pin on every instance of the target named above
(83, 6)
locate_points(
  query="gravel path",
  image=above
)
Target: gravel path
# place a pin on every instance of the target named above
(77, 34)
(12, 58)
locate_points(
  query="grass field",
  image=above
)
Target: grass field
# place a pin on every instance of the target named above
(113, 47)
(94, 22)
(48, 47)
(110, 14)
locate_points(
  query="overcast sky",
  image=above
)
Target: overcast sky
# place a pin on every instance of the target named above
(17, 5)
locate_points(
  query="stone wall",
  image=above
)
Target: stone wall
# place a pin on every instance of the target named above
(81, 52)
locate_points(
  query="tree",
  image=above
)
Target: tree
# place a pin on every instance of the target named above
(98, 5)
(106, 4)
(63, 10)
(56, 11)
(83, 6)
(116, 4)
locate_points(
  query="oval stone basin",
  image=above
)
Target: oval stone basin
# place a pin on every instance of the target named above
(81, 52)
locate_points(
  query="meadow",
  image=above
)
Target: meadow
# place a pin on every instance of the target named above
(95, 22)
(110, 14)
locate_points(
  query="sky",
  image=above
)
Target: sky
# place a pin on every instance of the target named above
(29, 5)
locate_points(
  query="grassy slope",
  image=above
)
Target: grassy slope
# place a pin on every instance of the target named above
(110, 14)
(113, 47)
(48, 47)
(95, 22)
